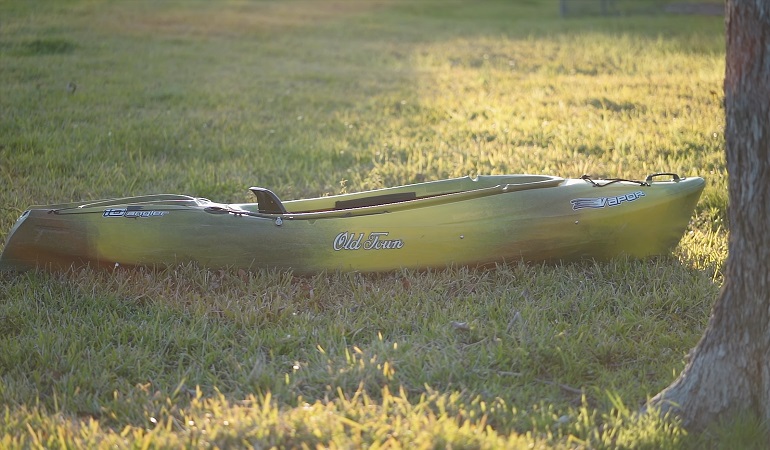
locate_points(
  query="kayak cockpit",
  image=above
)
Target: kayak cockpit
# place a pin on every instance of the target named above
(343, 205)
(396, 198)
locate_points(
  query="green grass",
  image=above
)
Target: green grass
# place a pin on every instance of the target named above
(317, 97)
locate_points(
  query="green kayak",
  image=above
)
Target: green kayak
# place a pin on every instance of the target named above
(462, 221)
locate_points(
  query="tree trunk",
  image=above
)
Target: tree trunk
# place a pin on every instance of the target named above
(729, 369)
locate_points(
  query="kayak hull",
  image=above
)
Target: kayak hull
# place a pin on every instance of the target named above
(464, 221)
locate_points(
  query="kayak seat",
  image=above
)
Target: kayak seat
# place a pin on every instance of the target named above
(375, 200)
(267, 201)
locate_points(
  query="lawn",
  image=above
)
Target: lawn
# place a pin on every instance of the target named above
(103, 99)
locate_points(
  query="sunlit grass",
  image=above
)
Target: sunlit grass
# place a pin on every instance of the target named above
(314, 97)
(537, 342)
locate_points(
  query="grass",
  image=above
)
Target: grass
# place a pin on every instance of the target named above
(309, 98)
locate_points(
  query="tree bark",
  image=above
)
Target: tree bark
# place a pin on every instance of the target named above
(729, 370)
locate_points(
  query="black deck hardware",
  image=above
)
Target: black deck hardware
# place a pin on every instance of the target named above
(674, 177)
(610, 181)
(268, 202)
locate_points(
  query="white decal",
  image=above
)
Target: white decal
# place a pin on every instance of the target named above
(123, 212)
(601, 202)
(114, 212)
(361, 241)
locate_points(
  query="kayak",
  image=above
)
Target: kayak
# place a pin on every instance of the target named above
(479, 221)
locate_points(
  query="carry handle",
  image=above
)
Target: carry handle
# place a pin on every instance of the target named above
(675, 177)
